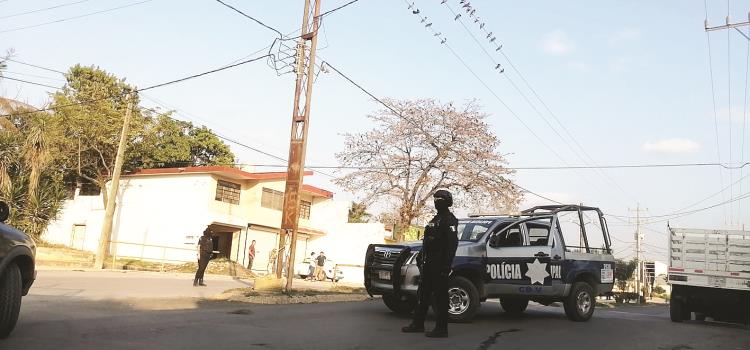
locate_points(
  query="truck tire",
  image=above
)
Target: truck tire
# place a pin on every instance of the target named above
(678, 311)
(463, 300)
(514, 306)
(10, 299)
(400, 305)
(579, 305)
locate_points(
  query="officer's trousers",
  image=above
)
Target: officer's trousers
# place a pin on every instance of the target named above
(433, 285)
(202, 264)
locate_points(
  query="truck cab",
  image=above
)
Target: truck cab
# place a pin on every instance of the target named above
(544, 254)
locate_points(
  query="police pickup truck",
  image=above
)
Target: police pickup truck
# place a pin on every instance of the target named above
(546, 254)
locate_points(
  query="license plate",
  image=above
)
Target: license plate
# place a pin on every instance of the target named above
(384, 275)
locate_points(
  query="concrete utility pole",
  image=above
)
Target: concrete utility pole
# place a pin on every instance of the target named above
(638, 238)
(298, 143)
(109, 212)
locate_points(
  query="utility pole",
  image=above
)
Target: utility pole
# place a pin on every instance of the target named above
(109, 212)
(298, 142)
(638, 238)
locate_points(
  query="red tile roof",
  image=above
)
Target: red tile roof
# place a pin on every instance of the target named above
(230, 172)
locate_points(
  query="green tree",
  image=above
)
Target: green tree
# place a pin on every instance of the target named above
(358, 213)
(624, 272)
(33, 189)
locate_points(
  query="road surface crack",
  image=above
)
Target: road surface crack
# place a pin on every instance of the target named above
(493, 338)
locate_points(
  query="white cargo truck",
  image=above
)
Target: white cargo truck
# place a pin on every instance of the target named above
(709, 271)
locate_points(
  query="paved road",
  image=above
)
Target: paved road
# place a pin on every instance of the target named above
(55, 322)
(111, 310)
(94, 285)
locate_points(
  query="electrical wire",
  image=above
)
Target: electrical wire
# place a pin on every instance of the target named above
(74, 17)
(28, 82)
(471, 10)
(729, 109)
(251, 18)
(36, 66)
(337, 8)
(713, 99)
(41, 10)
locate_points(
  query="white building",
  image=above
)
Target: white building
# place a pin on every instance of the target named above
(161, 213)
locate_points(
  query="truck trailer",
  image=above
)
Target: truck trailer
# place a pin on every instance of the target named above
(709, 271)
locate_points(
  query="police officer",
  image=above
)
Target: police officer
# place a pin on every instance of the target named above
(205, 249)
(434, 261)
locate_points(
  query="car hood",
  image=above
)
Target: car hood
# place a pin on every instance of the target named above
(417, 245)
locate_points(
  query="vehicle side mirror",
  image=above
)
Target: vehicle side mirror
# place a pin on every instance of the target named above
(494, 240)
(4, 211)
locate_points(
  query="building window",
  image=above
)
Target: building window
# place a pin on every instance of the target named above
(304, 209)
(228, 192)
(272, 199)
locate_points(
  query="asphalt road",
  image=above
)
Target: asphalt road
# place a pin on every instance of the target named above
(81, 321)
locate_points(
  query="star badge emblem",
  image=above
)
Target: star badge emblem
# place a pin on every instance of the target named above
(537, 272)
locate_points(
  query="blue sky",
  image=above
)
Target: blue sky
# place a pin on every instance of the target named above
(628, 79)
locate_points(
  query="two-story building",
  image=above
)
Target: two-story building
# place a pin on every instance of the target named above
(161, 213)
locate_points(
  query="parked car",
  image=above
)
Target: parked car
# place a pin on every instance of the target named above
(303, 269)
(17, 272)
(547, 254)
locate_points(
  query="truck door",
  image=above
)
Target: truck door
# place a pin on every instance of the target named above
(524, 258)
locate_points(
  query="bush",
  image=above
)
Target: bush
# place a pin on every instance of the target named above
(659, 290)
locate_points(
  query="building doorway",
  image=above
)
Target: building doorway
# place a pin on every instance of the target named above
(223, 239)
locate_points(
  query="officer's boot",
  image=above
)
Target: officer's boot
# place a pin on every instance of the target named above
(195, 282)
(413, 328)
(200, 283)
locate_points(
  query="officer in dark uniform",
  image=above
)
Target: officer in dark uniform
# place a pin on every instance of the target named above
(434, 261)
(205, 249)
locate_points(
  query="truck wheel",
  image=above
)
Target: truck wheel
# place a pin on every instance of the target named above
(514, 306)
(678, 311)
(398, 304)
(579, 305)
(10, 299)
(463, 300)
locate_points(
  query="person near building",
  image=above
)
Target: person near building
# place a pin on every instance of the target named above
(250, 255)
(320, 273)
(312, 264)
(434, 261)
(205, 249)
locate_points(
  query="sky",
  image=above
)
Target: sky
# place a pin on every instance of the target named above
(628, 80)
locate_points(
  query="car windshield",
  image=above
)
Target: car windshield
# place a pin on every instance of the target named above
(473, 229)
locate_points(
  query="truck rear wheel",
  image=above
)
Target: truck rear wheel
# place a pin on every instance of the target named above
(579, 305)
(401, 305)
(515, 306)
(678, 311)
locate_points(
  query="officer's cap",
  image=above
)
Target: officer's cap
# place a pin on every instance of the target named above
(444, 195)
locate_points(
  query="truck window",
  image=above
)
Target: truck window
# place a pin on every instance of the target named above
(539, 232)
(511, 237)
(472, 230)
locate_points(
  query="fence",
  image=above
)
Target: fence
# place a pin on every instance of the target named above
(152, 252)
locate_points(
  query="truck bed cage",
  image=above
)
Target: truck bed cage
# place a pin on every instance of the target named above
(553, 209)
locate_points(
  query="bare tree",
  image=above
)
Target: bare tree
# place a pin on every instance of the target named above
(420, 146)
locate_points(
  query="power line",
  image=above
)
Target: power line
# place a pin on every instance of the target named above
(251, 18)
(713, 99)
(29, 82)
(41, 10)
(74, 17)
(143, 89)
(337, 8)
(471, 10)
(729, 109)
(33, 76)
(36, 66)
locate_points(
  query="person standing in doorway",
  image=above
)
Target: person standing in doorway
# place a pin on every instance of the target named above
(250, 255)
(205, 249)
(320, 273)
(435, 261)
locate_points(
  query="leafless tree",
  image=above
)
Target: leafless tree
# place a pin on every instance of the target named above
(418, 147)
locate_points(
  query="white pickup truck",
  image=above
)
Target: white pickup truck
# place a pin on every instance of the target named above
(709, 271)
